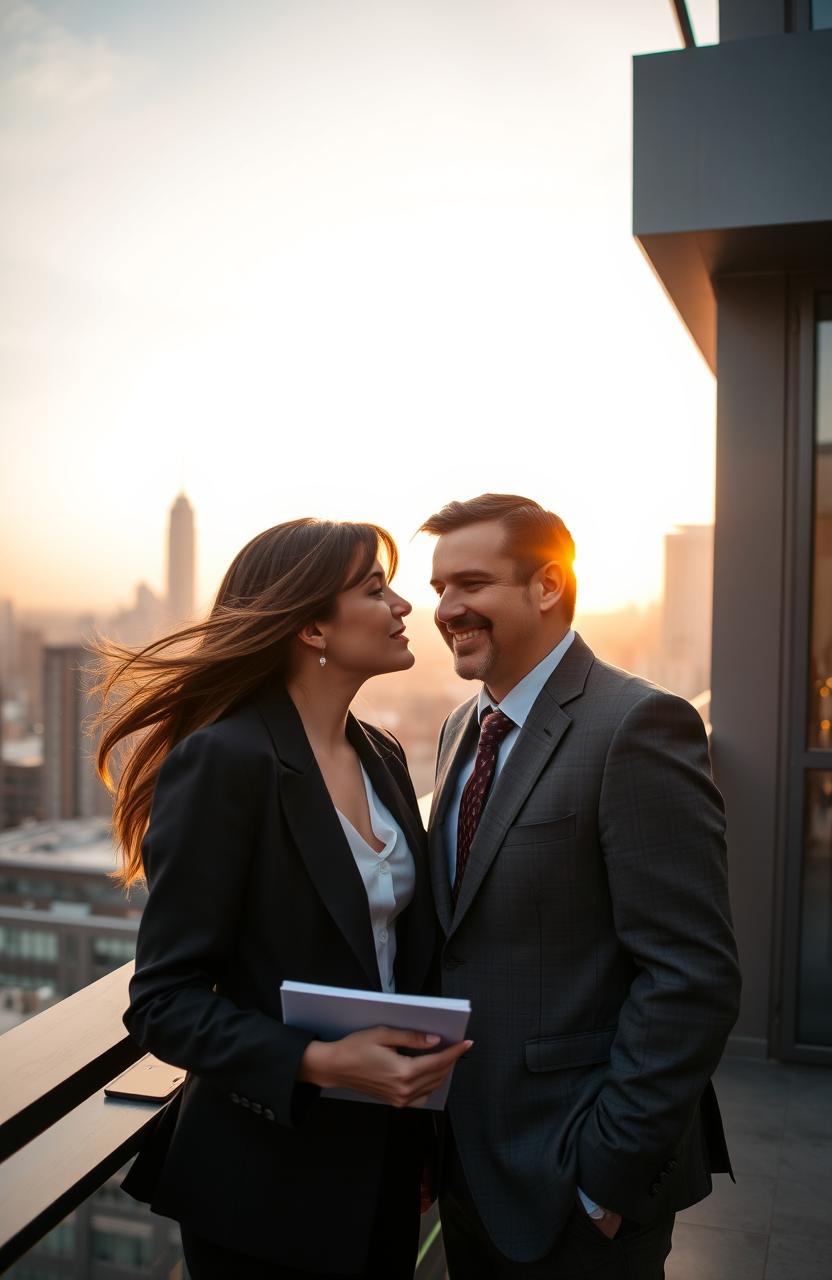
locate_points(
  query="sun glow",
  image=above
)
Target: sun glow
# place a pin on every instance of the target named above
(353, 277)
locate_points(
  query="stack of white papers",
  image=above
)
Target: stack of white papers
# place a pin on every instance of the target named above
(333, 1012)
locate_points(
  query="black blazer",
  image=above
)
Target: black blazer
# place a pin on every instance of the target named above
(251, 881)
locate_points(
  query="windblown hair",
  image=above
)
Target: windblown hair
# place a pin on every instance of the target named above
(533, 535)
(153, 697)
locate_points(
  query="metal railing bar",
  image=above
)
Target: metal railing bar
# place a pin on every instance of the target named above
(428, 1243)
(54, 1061)
(55, 1172)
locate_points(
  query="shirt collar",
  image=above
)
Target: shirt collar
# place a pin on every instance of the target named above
(519, 701)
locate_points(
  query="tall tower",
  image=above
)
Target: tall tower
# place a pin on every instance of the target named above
(70, 786)
(686, 615)
(180, 584)
(8, 647)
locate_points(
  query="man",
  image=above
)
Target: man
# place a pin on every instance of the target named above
(578, 865)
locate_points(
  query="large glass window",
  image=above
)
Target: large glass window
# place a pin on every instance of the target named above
(109, 1234)
(814, 1013)
(820, 672)
(27, 1270)
(821, 14)
(61, 1239)
(113, 951)
(25, 982)
(28, 944)
(124, 1243)
(813, 1024)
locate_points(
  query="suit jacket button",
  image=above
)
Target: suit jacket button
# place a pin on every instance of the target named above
(655, 1188)
(268, 1113)
(257, 1108)
(244, 1102)
(672, 1164)
(235, 1097)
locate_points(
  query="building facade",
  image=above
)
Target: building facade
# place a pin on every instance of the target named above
(64, 920)
(732, 186)
(181, 561)
(686, 609)
(71, 787)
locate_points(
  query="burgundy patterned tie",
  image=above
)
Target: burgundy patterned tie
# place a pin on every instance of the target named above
(493, 728)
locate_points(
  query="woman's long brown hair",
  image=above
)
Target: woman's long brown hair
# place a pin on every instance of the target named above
(283, 579)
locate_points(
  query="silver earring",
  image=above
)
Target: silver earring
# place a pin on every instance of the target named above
(322, 659)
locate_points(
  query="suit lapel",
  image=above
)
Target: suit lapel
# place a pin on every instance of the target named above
(384, 783)
(415, 927)
(539, 738)
(461, 739)
(317, 831)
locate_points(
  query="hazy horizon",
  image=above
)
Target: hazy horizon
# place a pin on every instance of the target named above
(343, 260)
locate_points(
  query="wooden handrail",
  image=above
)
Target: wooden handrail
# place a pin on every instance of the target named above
(41, 1183)
(54, 1061)
(60, 1137)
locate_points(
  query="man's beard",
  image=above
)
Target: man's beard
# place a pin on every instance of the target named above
(475, 666)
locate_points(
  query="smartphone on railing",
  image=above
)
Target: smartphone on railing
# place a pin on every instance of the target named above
(148, 1080)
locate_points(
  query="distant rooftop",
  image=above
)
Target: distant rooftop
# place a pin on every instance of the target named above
(77, 844)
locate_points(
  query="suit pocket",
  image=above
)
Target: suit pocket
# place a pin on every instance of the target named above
(553, 1053)
(542, 832)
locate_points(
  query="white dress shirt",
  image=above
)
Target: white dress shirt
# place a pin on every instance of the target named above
(389, 877)
(516, 705)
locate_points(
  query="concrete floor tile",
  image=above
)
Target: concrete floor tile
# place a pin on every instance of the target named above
(756, 1111)
(801, 1208)
(806, 1079)
(708, 1253)
(740, 1077)
(754, 1148)
(802, 1159)
(745, 1207)
(798, 1258)
(809, 1116)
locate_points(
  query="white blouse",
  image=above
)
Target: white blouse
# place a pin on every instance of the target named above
(389, 877)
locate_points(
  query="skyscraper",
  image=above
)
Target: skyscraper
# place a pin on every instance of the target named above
(180, 583)
(686, 621)
(71, 788)
(8, 647)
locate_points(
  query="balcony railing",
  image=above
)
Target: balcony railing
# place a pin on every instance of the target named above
(60, 1137)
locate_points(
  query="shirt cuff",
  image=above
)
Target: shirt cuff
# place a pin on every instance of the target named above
(591, 1207)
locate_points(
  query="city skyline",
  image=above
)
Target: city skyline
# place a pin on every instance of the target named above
(350, 277)
(668, 641)
(154, 591)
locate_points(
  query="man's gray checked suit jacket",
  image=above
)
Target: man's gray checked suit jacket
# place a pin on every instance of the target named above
(593, 937)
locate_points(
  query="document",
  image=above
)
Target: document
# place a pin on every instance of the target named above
(333, 1012)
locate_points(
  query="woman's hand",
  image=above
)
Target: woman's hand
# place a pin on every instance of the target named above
(368, 1061)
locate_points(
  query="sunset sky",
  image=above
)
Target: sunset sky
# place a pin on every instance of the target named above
(332, 257)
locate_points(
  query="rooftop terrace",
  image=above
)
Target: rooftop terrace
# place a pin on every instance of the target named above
(775, 1224)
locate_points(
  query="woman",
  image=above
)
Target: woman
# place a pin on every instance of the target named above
(284, 842)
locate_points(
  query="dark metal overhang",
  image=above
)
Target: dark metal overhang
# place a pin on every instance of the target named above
(732, 166)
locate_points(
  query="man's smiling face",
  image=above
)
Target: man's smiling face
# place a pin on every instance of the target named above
(488, 617)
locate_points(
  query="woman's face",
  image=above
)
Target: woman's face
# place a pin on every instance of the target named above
(366, 635)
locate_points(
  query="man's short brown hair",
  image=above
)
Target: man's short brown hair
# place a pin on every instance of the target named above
(533, 535)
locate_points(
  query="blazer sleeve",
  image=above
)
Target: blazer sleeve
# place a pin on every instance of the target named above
(663, 839)
(197, 852)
